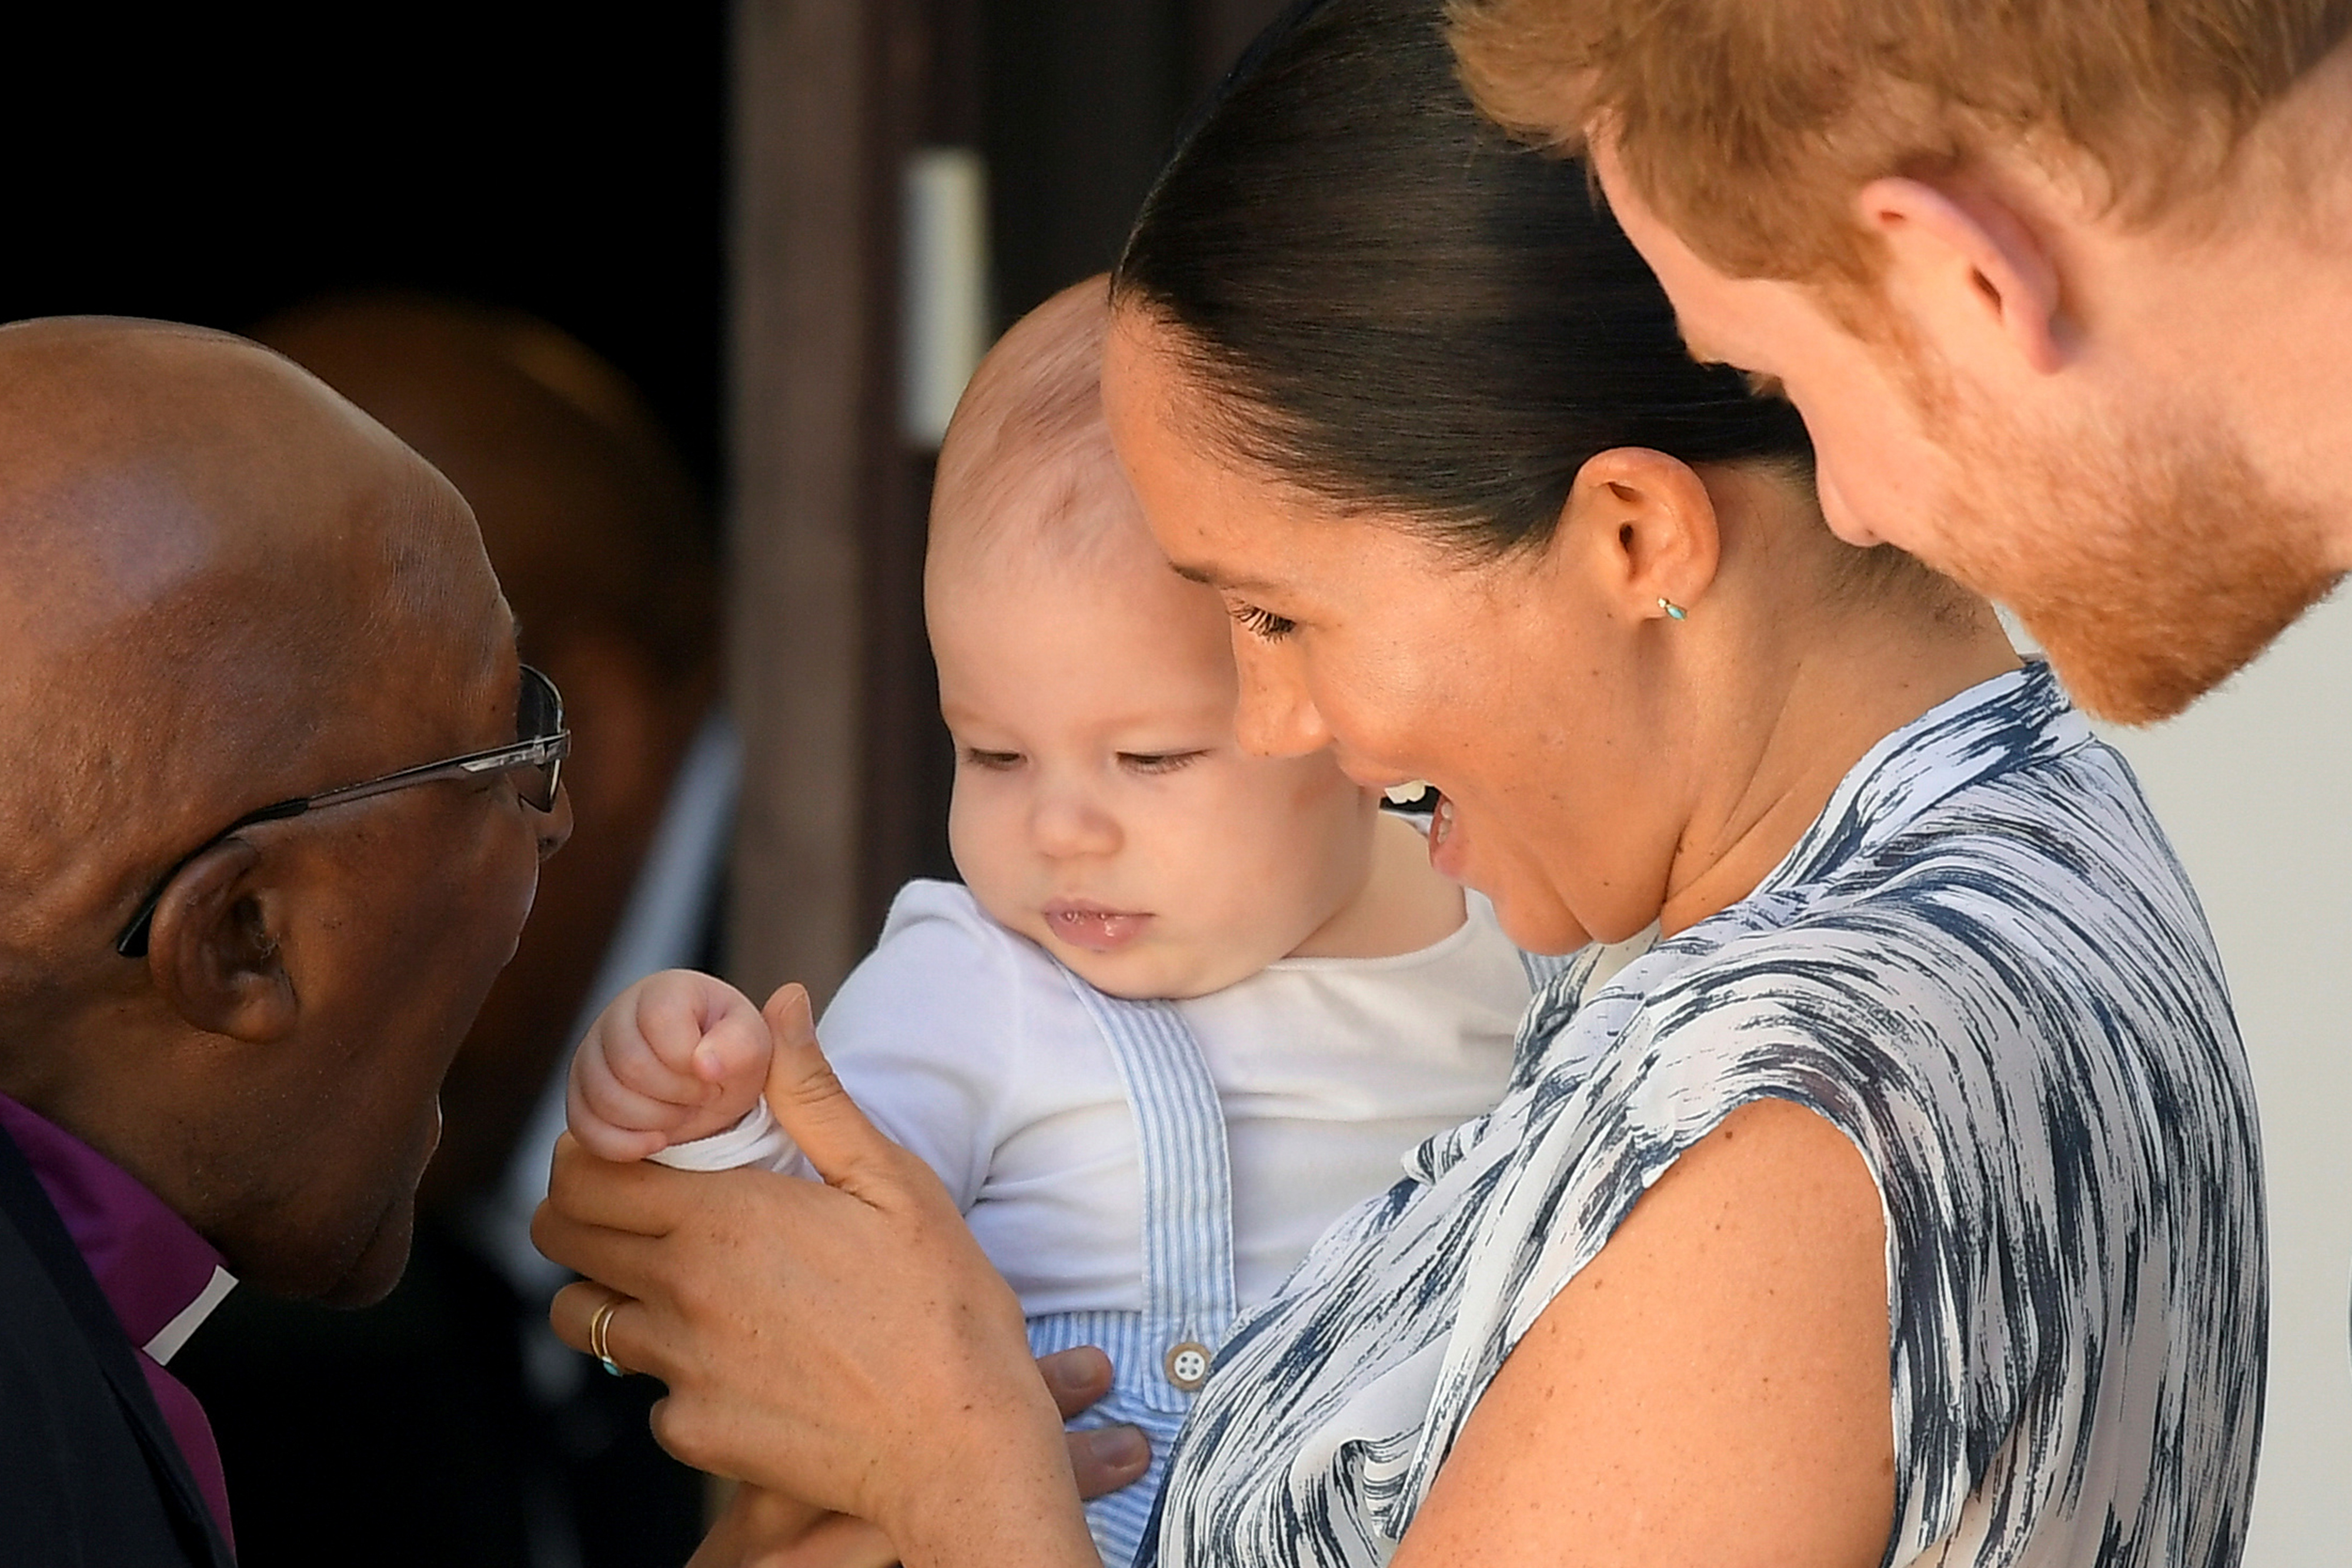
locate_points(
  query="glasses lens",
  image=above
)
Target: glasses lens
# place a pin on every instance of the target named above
(538, 708)
(538, 716)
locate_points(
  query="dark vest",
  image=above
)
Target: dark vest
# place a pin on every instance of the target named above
(90, 1473)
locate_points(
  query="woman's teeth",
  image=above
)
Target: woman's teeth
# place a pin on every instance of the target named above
(1441, 822)
(1406, 794)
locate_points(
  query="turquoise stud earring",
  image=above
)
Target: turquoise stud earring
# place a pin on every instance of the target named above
(1672, 609)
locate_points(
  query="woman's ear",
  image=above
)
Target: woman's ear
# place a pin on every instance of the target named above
(214, 949)
(1650, 528)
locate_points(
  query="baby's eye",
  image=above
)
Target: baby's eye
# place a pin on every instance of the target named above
(1263, 625)
(994, 761)
(1157, 761)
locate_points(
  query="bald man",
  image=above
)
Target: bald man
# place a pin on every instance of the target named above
(276, 794)
(487, 1441)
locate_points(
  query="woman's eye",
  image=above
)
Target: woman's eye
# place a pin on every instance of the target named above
(1264, 624)
(995, 761)
(1157, 761)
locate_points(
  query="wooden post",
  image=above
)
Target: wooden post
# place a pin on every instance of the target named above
(815, 466)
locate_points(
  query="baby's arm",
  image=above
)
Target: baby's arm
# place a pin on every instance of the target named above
(677, 1056)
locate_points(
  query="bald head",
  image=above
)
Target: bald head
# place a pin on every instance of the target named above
(229, 588)
(200, 548)
(1026, 474)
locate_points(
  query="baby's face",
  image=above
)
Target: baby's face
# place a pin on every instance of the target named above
(1102, 807)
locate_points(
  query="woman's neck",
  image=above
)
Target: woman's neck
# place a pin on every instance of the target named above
(1850, 689)
(1401, 907)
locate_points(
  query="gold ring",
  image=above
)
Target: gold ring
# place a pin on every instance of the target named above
(598, 1327)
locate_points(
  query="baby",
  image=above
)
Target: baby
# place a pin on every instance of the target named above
(1189, 1005)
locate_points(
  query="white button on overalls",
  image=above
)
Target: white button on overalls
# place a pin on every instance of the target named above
(1188, 1364)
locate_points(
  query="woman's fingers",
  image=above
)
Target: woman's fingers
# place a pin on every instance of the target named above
(573, 1317)
(1104, 1459)
(629, 1263)
(815, 1111)
(1077, 1378)
(642, 1199)
(848, 1343)
(1109, 1457)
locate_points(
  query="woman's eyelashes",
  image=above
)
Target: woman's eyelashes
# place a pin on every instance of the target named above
(995, 761)
(1263, 625)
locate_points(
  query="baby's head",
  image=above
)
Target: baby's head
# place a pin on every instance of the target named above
(1102, 807)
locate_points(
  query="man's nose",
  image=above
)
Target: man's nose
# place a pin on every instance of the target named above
(555, 824)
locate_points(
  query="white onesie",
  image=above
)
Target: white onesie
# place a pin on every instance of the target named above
(971, 1047)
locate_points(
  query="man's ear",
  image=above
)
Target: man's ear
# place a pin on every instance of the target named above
(1649, 527)
(213, 952)
(1964, 261)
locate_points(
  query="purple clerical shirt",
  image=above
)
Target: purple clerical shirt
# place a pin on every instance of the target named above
(159, 1275)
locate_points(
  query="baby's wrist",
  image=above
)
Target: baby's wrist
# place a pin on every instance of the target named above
(754, 1138)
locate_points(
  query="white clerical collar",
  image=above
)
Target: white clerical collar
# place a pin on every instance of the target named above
(174, 1334)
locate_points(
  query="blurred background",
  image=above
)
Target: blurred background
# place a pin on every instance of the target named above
(680, 296)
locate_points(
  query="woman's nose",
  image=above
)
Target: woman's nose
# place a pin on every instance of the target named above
(1275, 716)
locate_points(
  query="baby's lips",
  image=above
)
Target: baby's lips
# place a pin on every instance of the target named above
(1096, 930)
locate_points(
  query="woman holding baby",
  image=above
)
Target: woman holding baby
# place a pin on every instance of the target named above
(1886, 1190)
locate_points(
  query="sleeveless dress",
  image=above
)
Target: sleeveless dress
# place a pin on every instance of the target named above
(1983, 965)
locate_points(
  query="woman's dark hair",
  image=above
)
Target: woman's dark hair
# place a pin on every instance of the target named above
(1398, 308)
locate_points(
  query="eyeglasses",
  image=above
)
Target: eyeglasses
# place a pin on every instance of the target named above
(541, 743)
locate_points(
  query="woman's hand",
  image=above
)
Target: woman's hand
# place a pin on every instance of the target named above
(847, 1344)
(763, 1530)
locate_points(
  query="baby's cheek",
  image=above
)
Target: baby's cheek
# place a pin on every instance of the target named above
(985, 838)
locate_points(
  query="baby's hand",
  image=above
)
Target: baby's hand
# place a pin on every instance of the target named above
(677, 1056)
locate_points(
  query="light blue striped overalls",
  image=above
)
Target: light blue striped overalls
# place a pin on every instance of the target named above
(1160, 1355)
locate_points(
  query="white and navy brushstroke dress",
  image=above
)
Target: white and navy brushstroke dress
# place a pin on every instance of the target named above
(1984, 966)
